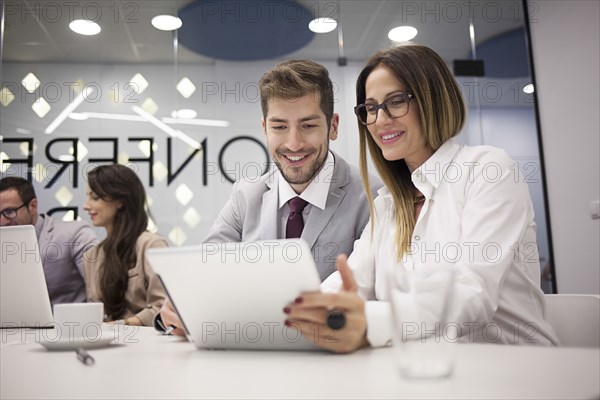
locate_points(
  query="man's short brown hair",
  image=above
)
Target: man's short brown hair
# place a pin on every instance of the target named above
(293, 79)
(22, 186)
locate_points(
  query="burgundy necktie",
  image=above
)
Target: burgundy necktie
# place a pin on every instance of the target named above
(295, 222)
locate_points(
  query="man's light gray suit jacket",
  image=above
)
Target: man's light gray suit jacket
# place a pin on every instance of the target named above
(251, 214)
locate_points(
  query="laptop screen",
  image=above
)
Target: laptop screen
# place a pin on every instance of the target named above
(24, 300)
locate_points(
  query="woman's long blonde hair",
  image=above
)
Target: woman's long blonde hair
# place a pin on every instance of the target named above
(442, 113)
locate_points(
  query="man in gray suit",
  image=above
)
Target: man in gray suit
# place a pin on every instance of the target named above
(61, 244)
(298, 122)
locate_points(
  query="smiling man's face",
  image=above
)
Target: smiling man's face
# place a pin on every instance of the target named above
(298, 137)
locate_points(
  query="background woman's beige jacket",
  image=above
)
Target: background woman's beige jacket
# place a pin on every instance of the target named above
(144, 295)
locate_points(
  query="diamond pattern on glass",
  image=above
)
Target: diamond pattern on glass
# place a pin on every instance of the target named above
(149, 106)
(69, 216)
(4, 166)
(152, 226)
(41, 107)
(6, 97)
(144, 147)
(39, 172)
(123, 158)
(64, 196)
(191, 217)
(138, 83)
(31, 82)
(82, 151)
(183, 194)
(24, 148)
(186, 87)
(177, 236)
(78, 86)
(159, 171)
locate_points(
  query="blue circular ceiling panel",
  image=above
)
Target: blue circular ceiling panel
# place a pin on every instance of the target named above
(244, 30)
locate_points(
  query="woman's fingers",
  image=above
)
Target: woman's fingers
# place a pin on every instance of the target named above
(321, 335)
(309, 313)
(349, 284)
(346, 301)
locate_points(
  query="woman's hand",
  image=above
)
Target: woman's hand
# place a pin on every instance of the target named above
(309, 314)
(169, 317)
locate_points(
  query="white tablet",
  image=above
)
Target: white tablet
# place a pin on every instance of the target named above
(24, 299)
(232, 295)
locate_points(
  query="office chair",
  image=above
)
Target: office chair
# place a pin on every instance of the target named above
(575, 318)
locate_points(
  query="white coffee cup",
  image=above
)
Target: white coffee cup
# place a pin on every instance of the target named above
(78, 320)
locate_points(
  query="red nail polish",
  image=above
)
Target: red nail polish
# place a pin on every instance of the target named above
(287, 310)
(298, 300)
(288, 323)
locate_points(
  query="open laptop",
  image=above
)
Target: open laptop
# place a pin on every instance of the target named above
(232, 295)
(24, 300)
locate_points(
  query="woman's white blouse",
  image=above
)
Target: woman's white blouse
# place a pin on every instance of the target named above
(478, 219)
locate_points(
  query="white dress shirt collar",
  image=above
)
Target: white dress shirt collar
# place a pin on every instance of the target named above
(316, 192)
(429, 174)
(434, 169)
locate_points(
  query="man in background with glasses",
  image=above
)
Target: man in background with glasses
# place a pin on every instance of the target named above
(61, 244)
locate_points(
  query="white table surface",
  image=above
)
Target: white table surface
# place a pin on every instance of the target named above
(149, 365)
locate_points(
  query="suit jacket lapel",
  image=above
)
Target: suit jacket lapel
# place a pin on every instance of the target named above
(318, 219)
(268, 212)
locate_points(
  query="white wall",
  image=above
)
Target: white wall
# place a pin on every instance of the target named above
(565, 42)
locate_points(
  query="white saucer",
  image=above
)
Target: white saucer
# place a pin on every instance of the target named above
(68, 343)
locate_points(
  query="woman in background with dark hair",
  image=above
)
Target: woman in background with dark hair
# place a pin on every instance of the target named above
(116, 271)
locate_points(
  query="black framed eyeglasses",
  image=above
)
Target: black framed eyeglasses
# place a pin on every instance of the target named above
(395, 106)
(11, 213)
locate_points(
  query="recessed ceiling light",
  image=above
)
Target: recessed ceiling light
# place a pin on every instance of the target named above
(185, 113)
(85, 27)
(402, 33)
(528, 89)
(322, 25)
(166, 22)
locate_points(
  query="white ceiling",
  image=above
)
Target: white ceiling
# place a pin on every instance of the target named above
(37, 31)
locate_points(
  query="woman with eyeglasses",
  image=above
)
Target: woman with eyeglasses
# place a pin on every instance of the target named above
(443, 204)
(116, 271)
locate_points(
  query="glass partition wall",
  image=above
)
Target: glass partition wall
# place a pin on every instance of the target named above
(182, 107)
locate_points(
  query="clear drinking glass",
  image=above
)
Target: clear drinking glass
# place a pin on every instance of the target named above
(424, 338)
